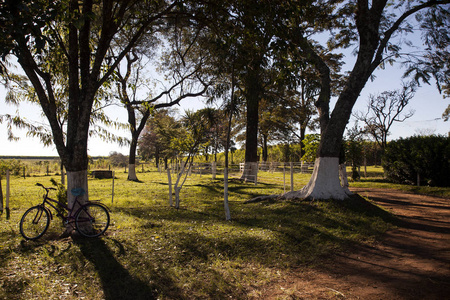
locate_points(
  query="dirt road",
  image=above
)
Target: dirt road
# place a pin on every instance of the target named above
(411, 261)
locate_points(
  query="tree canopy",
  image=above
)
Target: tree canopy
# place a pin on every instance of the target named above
(266, 49)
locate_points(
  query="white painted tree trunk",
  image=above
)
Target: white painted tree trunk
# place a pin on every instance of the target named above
(250, 172)
(132, 172)
(75, 180)
(169, 177)
(225, 195)
(344, 178)
(324, 182)
(213, 170)
(179, 186)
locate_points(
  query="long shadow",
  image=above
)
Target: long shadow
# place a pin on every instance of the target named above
(404, 203)
(116, 280)
(417, 223)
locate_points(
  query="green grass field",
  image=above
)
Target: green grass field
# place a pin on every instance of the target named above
(153, 251)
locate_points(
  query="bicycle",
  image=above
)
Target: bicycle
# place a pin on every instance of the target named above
(91, 219)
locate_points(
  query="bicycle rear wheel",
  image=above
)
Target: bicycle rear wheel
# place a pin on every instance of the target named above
(34, 222)
(92, 220)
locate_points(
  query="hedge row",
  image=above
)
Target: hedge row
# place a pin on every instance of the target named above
(419, 158)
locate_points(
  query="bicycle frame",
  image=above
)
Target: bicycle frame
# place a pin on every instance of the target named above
(58, 206)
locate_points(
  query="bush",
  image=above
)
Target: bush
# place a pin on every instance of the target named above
(14, 166)
(428, 156)
(118, 159)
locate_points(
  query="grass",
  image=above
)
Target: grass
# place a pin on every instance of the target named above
(152, 251)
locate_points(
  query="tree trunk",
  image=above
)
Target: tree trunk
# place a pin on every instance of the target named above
(253, 90)
(77, 179)
(302, 138)
(250, 172)
(324, 183)
(344, 177)
(265, 150)
(132, 172)
(132, 160)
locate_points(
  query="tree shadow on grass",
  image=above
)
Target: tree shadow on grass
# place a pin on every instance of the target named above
(117, 281)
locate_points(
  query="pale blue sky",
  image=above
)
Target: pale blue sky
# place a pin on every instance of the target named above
(427, 103)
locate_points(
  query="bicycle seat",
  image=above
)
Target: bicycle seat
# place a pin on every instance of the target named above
(77, 192)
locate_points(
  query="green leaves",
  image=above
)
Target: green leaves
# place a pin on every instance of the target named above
(423, 157)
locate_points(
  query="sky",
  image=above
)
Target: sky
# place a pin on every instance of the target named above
(427, 103)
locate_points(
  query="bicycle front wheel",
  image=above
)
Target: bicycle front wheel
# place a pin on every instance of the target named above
(34, 223)
(92, 220)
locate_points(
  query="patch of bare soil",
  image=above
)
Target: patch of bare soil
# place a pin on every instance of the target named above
(411, 261)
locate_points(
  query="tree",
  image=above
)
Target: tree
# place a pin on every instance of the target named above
(354, 149)
(434, 61)
(81, 33)
(312, 142)
(385, 109)
(117, 159)
(156, 138)
(181, 63)
(370, 24)
(196, 126)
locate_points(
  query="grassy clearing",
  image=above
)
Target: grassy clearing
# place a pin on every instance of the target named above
(154, 251)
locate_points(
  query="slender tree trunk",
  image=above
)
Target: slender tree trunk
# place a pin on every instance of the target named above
(1, 196)
(132, 160)
(265, 150)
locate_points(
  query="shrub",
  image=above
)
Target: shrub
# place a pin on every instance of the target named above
(428, 156)
(14, 166)
(118, 159)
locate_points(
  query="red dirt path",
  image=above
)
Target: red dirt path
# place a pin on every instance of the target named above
(411, 261)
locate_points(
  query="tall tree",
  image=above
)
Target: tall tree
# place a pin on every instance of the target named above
(372, 25)
(385, 109)
(156, 136)
(82, 32)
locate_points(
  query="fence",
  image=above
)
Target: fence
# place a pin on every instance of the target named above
(297, 167)
(6, 206)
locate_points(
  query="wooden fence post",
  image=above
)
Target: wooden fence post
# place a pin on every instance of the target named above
(292, 176)
(225, 194)
(112, 192)
(7, 195)
(170, 187)
(1, 195)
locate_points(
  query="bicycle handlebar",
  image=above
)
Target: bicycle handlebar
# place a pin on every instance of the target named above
(46, 188)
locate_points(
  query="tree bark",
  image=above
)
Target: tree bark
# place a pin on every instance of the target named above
(132, 160)
(264, 148)
(253, 90)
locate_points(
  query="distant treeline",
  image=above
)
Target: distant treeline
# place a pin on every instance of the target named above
(41, 157)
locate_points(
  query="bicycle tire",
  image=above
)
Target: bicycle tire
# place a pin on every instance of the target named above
(92, 220)
(34, 222)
